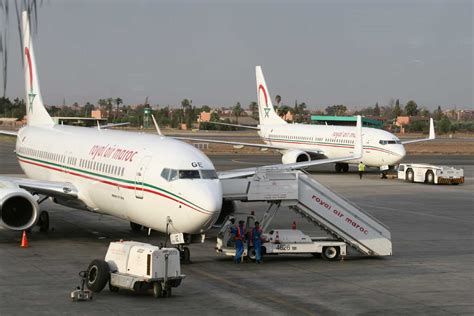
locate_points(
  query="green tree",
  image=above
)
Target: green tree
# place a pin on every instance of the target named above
(336, 110)
(444, 125)
(411, 108)
(438, 114)
(397, 109)
(424, 112)
(88, 108)
(253, 107)
(283, 110)
(237, 111)
(278, 99)
(377, 109)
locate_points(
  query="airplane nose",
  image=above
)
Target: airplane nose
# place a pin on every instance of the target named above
(399, 153)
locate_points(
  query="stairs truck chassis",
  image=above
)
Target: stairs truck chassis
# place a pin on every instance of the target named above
(285, 241)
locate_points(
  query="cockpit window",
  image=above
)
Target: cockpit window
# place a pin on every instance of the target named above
(385, 142)
(189, 174)
(173, 175)
(165, 174)
(209, 174)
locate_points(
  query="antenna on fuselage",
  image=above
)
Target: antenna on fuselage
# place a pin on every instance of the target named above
(156, 125)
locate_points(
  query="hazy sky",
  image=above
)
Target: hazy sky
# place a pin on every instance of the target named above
(321, 52)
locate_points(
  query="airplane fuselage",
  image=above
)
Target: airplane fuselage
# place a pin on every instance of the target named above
(122, 174)
(380, 148)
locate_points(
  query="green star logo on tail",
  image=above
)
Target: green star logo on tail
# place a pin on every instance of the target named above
(31, 98)
(267, 110)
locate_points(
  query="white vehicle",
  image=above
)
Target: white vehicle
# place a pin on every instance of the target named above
(303, 142)
(430, 174)
(283, 241)
(137, 267)
(150, 180)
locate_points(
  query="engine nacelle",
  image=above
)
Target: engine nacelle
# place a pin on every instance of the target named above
(293, 156)
(18, 208)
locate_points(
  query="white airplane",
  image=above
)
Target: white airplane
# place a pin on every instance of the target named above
(303, 142)
(149, 180)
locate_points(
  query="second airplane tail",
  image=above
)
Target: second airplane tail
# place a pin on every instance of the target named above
(35, 110)
(267, 114)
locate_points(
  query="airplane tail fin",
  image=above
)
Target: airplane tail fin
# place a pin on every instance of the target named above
(267, 114)
(35, 111)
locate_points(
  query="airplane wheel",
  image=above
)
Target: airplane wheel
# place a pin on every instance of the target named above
(186, 255)
(430, 177)
(410, 177)
(135, 227)
(345, 167)
(43, 221)
(157, 290)
(251, 254)
(330, 253)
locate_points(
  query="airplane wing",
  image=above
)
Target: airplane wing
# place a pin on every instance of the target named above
(430, 137)
(114, 125)
(299, 165)
(49, 188)
(235, 125)
(8, 133)
(241, 145)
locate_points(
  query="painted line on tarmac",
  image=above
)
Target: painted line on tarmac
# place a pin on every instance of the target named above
(248, 291)
(415, 213)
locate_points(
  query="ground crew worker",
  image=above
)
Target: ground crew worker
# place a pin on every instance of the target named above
(239, 241)
(233, 230)
(361, 169)
(257, 242)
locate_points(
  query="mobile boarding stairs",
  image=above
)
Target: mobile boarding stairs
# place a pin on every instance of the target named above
(318, 204)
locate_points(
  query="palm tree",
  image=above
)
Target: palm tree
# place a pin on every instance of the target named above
(117, 101)
(237, 111)
(278, 99)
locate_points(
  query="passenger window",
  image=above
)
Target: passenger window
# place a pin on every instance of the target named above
(401, 168)
(165, 173)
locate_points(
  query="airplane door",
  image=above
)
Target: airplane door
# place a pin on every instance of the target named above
(140, 176)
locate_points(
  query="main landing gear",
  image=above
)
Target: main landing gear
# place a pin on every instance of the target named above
(342, 167)
(184, 254)
(43, 221)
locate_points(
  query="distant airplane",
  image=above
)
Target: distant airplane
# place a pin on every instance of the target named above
(150, 180)
(304, 142)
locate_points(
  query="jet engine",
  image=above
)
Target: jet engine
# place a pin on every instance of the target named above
(18, 208)
(293, 156)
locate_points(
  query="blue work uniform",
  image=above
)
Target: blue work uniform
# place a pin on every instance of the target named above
(239, 243)
(257, 243)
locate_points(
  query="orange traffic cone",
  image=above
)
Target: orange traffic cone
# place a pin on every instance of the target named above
(24, 240)
(293, 226)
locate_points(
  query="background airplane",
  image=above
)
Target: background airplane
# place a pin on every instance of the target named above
(149, 180)
(304, 142)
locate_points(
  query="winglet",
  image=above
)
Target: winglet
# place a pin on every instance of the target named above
(432, 130)
(358, 148)
(431, 136)
(156, 125)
